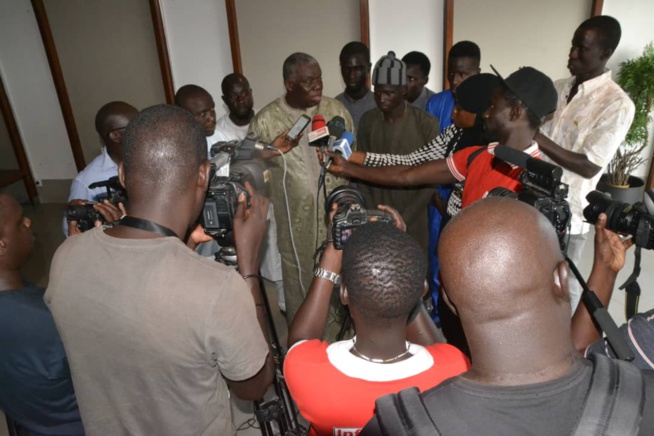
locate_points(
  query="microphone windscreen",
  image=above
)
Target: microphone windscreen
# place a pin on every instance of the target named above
(348, 136)
(336, 126)
(317, 122)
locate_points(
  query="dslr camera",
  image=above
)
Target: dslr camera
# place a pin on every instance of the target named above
(85, 215)
(232, 164)
(351, 213)
(541, 188)
(627, 219)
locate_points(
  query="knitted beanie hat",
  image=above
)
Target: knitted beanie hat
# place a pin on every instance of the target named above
(389, 71)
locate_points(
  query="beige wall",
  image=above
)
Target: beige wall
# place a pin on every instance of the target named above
(269, 31)
(513, 33)
(107, 52)
(7, 157)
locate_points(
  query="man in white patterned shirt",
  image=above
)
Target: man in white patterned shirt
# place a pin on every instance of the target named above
(592, 118)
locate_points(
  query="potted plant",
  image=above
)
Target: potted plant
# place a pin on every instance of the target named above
(636, 77)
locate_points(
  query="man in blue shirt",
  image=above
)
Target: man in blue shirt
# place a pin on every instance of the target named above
(462, 62)
(36, 389)
(110, 123)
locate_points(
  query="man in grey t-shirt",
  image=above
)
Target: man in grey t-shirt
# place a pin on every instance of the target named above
(155, 333)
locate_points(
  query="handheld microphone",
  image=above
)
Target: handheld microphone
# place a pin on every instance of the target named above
(343, 145)
(319, 134)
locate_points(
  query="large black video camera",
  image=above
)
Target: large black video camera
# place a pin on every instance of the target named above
(541, 188)
(85, 215)
(350, 214)
(627, 219)
(232, 164)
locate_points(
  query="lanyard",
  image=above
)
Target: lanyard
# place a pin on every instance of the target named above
(147, 225)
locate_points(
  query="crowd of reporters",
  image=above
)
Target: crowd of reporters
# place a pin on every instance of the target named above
(154, 334)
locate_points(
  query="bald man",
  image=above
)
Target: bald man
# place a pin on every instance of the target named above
(506, 278)
(36, 390)
(110, 123)
(154, 332)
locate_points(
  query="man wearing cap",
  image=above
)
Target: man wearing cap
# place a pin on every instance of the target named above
(592, 117)
(515, 113)
(395, 126)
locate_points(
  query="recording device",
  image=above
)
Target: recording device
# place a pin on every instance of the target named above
(351, 213)
(85, 215)
(343, 145)
(232, 164)
(542, 189)
(300, 124)
(319, 134)
(627, 219)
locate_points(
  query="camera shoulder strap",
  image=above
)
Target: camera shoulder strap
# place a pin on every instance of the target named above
(615, 401)
(147, 225)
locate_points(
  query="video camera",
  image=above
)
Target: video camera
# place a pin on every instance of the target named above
(542, 189)
(350, 213)
(627, 219)
(232, 164)
(85, 215)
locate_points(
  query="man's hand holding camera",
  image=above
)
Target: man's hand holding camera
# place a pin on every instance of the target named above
(250, 225)
(106, 209)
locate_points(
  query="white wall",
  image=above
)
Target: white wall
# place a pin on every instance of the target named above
(26, 75)
(517, 33)
(409, 25)
(269, 31)
(635, 18)
(198, 44)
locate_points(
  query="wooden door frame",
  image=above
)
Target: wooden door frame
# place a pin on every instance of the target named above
(17, 143)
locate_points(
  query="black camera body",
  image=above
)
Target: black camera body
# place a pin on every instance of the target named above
(85, 215)
(626, 219)
(221, 200)
(350, 214)
(541, 188)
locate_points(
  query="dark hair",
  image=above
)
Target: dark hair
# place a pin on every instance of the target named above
(420, 59)
(384, 270)
(513, 100)
(162, 148)
(293, 61)
(186, 91)
(355, 48)
(465, 49)
(608, 29)
(230, 80)
(104, 119)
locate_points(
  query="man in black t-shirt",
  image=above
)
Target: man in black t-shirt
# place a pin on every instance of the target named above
(36, 390)
(505, 277)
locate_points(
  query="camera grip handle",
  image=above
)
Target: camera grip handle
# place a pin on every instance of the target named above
(602, 318)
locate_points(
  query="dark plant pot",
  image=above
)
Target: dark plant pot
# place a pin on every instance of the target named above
(630, 195)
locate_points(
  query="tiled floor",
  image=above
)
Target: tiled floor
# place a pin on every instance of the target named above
(46, 225)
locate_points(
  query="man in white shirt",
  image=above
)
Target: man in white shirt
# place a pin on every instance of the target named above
(237, 95)
(234, 125)
(200, 104)
(110, 123)
(592, 118)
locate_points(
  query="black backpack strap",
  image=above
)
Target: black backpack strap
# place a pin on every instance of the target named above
(614, 403)
(474, 155)
(404, 413)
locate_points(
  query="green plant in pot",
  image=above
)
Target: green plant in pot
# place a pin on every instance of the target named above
(636, 77)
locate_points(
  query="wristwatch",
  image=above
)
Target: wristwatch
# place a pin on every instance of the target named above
(328, 275)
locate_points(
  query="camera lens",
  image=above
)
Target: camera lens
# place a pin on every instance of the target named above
(344, 195)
